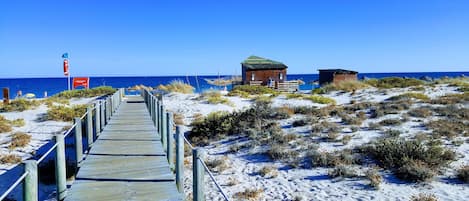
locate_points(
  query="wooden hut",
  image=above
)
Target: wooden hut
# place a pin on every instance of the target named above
(327, 76)
(260, 71)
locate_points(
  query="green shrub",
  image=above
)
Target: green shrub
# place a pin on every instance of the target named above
(253, 90)
(295, 96)
(301, 122)
(409, 95)
(86, 93)
(320, 99)
(63, 113)
(448, 127)
(278, 152)
(392, 133)
(239, 93)
(463, 173)
(318, 91)
(390, 122)
(304, 110)
(54, 99)
(394, 82)
(451, 99)
(19, 105)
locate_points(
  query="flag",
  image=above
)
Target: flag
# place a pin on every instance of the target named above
(65, 55)
(65, 67)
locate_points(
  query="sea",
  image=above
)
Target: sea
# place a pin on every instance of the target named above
(42, 87)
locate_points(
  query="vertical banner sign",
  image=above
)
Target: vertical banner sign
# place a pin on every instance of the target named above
(81, 81)
(66, 67)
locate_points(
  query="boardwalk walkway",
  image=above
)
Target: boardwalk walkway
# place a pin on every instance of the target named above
(127, 162)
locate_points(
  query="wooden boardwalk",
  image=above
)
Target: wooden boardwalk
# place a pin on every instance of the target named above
(127, 162)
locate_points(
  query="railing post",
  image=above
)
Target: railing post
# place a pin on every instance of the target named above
(97, 119)
(163, 127)
(198, 175)
(152, 108)
(169, 138)
(60, 165)
(89, 125)
(78, 141)
(103, 115)
(180, 159)
(30, 185)
(158, 116)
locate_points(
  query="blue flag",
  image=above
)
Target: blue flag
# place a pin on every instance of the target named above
(65, 56)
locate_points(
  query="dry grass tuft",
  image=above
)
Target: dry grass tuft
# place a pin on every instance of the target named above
(10, 159)
(410, 95)
(342, 171)
(269, 171)
(320, 99)
(374, 177)
(178, 119)
(177, 86)
(424, 197)
(18, 122)
(249, 194)
(19, 140)
(215, 97)
(63, 113)
(463, 173)
(4, 125)
(218, 164)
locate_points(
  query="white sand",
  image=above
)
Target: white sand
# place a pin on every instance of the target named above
(314, 184)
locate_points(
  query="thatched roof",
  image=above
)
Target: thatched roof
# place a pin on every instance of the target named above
(259, 63)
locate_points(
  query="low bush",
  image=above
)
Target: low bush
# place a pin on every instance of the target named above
(10, 159)
(348, 86)
(351, 120)
(424, 197)
(394, 82)
(404, 156)
(239, 93)
(304, 110)
(249, 194)
(374, 177)
(19, 140)
(390, 122)
(252, 90)
(421, 112)
(19, 105)
(320, 99)
(325, 127)
(54, 99)
(415, 171)
(318, 91)
(278, 152)
(63, 113)
(5, 125)
(84, 93)
(346, 139)
(463, 173)
(409, 95)
(374, 126)
(269, 171)
(342, 171)
(453, 111)
(448, 128)
(301, 122)
(392, 133)
(328, 159)
(294, 96)
(451, 99)
(219, 164)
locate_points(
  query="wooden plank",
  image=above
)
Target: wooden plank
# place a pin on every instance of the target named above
(127, 162)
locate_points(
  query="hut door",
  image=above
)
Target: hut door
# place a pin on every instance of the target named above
(253, 77)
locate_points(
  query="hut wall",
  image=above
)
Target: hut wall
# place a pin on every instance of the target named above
(264, 75)
(342, 77)
(326, 77)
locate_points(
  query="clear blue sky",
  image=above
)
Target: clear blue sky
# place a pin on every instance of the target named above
(134, 37)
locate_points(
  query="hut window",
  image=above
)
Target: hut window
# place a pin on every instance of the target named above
(253, 77)
(280, 76)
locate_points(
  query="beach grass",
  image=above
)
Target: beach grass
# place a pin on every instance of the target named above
(177, 86)
(10, 159)
(5, 125)
(19, 105)
(65, 113)
(394, 82)
(19, 140)
(320, 99)
(347, 85)
(85, 93)
(252, 90)
(215, 97)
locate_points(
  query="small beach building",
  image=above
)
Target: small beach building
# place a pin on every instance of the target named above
(260, 71)
(327, 76)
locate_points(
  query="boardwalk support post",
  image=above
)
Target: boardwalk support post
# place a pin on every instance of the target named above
(30, 185)
(163, 127)
(78, 141)
(180, 159)
(89, 125)
(60, 163)
(169, 138)
(97, 120)
(198, 175)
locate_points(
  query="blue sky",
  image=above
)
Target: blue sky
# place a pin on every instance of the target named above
(209, 37)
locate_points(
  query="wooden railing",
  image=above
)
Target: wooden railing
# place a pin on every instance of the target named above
(102, 112)
(163, 120)
(288, 86)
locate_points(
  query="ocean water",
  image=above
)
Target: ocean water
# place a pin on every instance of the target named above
(39, 86)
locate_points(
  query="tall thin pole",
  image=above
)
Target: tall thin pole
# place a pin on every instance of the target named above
(68, 80)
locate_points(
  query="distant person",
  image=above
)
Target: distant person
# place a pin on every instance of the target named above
(19, 94)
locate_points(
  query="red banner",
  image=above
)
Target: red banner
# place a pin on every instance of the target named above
(65, 67)
(81, 81)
